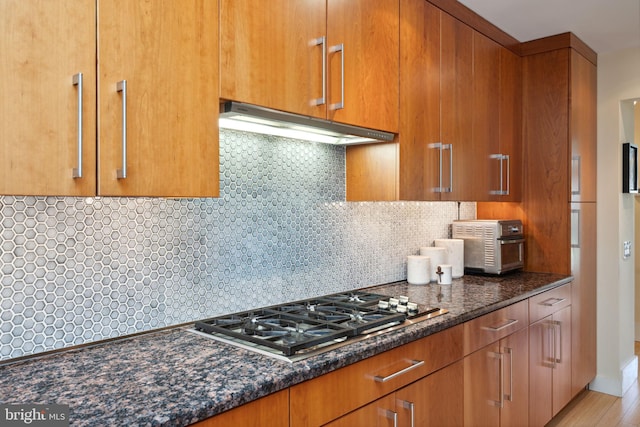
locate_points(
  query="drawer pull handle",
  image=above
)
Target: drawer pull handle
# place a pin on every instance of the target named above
(505, 325)
(414, 364)
(552, 301)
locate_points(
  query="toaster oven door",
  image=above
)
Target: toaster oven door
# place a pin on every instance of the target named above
(511, 254)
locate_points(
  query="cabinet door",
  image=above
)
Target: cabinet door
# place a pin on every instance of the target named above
(541, 361)
(482, 386)
(485, 177)
(420, 100)
(368, 30)
(583, 296)
(43, 45)
(515, 349)
(268, 55)
(562, 367)
(434, 400)
(582, 106)
(167, 54)
(457, 108)
(271, 410)
(510, 126)
(380, 413)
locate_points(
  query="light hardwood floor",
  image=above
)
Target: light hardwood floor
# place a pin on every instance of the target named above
(593, 409)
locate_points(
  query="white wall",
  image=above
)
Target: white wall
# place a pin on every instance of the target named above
(618, 80)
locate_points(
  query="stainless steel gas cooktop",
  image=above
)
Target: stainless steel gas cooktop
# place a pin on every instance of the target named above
(300, 329)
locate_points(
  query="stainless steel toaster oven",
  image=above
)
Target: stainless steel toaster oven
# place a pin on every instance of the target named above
(491, 246)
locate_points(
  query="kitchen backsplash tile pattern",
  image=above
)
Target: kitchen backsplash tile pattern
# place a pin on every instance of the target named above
(73, 270)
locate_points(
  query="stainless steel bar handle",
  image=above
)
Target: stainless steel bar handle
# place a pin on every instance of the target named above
(509, 351)
(553, 346)
(559, 346)
(122, 87)
(78, 81)
(438, 146)
(334, 49)
(576, 175)
(388, 413)
(411, 407)
(450, 148)
(315, 42)
(497, 157)
(506, 156)
(414, 364)
(499, 403)
(552, 301)
(508, 322)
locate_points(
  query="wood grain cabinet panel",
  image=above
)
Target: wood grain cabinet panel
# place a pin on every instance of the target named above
(167, 53)
(272, 55)
(496, 382)
(271, 410)
(168, 56)
(43, 45)
(550, 358)
(363, 382)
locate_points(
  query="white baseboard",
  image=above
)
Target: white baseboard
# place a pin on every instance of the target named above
(617, 386)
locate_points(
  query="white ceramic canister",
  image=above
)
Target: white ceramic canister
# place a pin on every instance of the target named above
(437, 256)
(418, 270)
(455, 255)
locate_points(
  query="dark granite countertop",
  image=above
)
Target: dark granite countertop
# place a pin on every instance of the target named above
(174, 377)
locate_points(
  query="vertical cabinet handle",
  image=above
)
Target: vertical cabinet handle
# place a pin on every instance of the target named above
(500, 403)
(77, 81)
(315, 42)
(557, 349)
(576, 175)
(411, 407)
(389, 414)
(505, 184)
(122, 87)
(438, 146)
(509, 396)
(334, 49)
(441, 147)
(449, 147)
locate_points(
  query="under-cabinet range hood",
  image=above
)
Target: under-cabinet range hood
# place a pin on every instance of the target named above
(252, 118)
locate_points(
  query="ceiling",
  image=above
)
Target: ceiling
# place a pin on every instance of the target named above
(604, 25)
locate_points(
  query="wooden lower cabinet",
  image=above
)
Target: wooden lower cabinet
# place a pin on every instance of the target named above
(432, 401)
(496, 383)
(338, 393)
(269, 411)
(549, 366)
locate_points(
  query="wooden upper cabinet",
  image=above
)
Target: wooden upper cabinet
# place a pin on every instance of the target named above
(272, 55)
(457, 102)
(582, 105)
(408, 169)
(167, 54)
(485, 115)
(368, 33)
(510, 127)
(43, 45)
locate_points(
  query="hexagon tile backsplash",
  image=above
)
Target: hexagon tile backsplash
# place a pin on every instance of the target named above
(74, 271)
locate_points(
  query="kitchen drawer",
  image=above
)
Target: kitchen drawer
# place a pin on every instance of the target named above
(496, 325)
(320, 400)
(546, 303)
